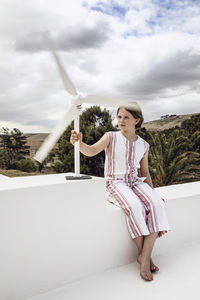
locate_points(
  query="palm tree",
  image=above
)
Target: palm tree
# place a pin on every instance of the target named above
(172, 159)
(196, 141)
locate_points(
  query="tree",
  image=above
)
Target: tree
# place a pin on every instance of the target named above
(172, 159)
(191, 125)
(4, 158)
(195, 138)
(12, 147)
(94, 122)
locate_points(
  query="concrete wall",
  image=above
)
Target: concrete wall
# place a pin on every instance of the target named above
(54, 231)
(183, 206)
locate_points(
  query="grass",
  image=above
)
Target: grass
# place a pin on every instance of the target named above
(18, 173)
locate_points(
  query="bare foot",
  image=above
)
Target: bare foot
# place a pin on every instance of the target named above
(153, 267)
(145, 271)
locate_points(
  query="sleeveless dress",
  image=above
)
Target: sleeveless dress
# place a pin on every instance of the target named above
(143, 207)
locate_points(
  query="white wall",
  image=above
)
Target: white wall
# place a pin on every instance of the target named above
(183, 206)
(53, 232)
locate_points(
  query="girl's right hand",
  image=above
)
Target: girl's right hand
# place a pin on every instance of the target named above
(75, 137)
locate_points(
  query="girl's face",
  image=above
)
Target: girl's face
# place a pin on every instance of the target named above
(125, 119)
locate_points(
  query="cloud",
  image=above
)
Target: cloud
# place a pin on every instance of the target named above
(182, 69)
(71, 38)
(112, 8)
(146, 50)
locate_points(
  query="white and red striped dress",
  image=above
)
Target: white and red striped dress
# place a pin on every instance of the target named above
(144, 208)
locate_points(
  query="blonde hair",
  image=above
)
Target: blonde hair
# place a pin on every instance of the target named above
(137, 114)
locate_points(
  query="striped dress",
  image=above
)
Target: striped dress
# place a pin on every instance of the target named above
(143, 207)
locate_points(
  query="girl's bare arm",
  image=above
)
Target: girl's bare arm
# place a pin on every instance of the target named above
(89, 150)
(144, 170)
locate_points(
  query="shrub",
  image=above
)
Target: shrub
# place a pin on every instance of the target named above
(26, 165)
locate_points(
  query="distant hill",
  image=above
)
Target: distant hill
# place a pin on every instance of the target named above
(166, 122)
(34, 140)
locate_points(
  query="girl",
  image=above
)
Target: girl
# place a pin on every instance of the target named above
(127, 152)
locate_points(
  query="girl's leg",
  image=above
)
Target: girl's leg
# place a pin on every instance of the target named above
(123, 196)
(145, 256)
(139, 241)
(133, 207)
(156, 218)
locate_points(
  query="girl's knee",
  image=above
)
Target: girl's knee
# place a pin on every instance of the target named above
(159, 203)
(156, 199)
(134, 209)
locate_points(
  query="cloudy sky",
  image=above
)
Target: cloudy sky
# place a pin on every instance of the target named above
(144, 50)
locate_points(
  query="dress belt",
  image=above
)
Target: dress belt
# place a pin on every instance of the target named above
(129, 176)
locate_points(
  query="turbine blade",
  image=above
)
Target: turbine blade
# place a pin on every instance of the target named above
(65, 77)
(110, 102)
(53, 137)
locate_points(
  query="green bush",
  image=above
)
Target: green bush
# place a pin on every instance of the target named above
(58, 167)
(26, 165)
(4, 158)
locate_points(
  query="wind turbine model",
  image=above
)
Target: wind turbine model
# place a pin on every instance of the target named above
(73, 113)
